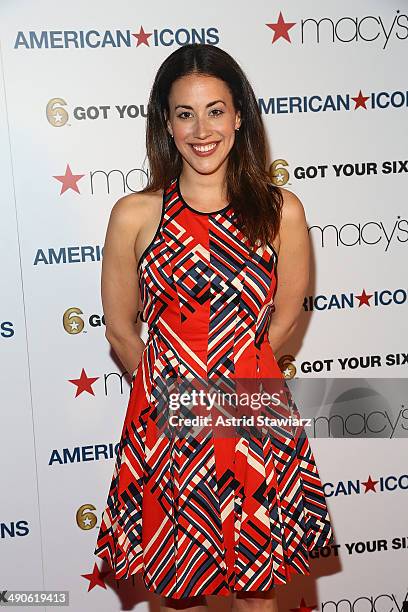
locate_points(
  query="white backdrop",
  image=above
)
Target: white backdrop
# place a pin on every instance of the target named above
(73, 93)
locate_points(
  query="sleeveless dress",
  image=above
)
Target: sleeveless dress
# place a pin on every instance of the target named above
(213, 515)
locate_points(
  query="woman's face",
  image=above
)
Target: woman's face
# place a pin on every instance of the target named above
(202, 120)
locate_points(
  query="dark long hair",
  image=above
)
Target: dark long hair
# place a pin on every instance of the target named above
(256, 201)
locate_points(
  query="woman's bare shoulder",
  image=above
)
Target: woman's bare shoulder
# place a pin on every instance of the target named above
(133, 209)
(293, 210)
(138, 200)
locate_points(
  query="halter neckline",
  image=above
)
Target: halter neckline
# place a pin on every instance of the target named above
(194, 210)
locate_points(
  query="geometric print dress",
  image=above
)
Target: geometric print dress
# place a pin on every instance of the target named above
(208, 515)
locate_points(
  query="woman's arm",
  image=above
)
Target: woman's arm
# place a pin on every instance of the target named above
(292, 270)
(119, 282)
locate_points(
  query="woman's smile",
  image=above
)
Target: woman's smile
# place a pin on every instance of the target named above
(204, 150)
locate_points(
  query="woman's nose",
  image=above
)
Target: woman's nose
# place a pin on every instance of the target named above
(201, 128)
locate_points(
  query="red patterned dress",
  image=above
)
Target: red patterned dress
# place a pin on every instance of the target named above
(213, 515)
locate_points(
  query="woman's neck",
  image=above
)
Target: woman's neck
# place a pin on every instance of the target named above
(203, 188)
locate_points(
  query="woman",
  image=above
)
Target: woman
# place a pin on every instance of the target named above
(208, 236)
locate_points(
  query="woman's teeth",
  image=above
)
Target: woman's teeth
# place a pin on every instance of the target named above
(204, 148)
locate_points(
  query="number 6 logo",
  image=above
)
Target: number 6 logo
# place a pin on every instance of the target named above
(56, 114)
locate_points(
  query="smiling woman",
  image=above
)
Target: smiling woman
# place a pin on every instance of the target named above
(203, 132)
(201, 98)
(209, 237)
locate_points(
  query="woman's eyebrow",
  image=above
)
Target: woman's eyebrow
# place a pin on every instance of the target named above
(191, 108)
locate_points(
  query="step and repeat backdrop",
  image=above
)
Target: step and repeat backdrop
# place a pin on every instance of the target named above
(332, 88)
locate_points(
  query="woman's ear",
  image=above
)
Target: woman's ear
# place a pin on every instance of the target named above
(238, 120)
(168, 124)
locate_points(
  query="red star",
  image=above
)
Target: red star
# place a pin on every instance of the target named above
(370, 485)
(281, 28)
(69, 180)
(364, 297)
(303, 607)
(360, 100)
(142, 37)
(96, 578)
(83, 383)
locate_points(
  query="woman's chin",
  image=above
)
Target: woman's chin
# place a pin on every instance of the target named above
(205, 166)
